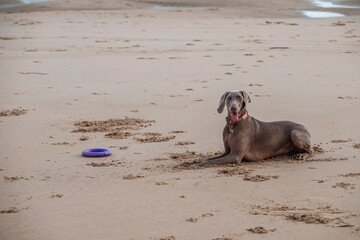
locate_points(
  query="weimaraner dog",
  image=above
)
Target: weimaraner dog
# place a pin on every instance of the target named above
(246, 138)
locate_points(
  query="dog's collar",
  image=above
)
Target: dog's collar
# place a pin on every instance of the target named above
(233, 122)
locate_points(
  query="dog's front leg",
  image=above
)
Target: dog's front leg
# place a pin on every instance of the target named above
(231, 158)
(236, 153)
(226, 153)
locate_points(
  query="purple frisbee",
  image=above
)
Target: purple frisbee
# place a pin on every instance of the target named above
(96, 152)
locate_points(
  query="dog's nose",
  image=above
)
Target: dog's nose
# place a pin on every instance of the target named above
(233, 108)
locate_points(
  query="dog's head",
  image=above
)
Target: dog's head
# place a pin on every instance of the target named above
(235, 101)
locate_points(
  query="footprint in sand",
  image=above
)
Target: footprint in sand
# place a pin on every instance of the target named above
(338, 23)
(356, 145)
(148, 58)
(10, 210)
(177, 131)
(259, 178)
(84, 138)
(341, 140)
(34, 73)
(227, 65)
(344, 185)
(347, 97)
(260, 230)
(184, 143)
(161, 183)
(165, 238)
(176, 95)
(13, 112)
(350, 175)
(56, 196)
(13, 179)
(264, 95)
(132, 177)
(202, 216)
(279, 48)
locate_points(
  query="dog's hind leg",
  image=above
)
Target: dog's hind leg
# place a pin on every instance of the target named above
(301, 140)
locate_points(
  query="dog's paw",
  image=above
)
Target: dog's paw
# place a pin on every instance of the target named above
(301, 156)
(202, 164)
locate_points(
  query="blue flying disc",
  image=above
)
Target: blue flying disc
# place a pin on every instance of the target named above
(96, 152)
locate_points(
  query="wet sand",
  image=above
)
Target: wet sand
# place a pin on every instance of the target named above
(146, 83)
(241, 8)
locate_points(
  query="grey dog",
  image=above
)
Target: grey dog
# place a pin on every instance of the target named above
(246, 138)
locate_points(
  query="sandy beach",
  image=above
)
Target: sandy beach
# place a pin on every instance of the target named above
(144, 79)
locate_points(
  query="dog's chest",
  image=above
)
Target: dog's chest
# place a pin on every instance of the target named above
(230, 137)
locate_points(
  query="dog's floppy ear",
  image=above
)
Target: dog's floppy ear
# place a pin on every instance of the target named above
(222, 102)
(246, 97)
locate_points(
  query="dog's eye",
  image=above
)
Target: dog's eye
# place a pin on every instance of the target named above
(228, 99)
(238, 97)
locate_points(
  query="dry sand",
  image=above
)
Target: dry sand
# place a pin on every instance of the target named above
(145, 83)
